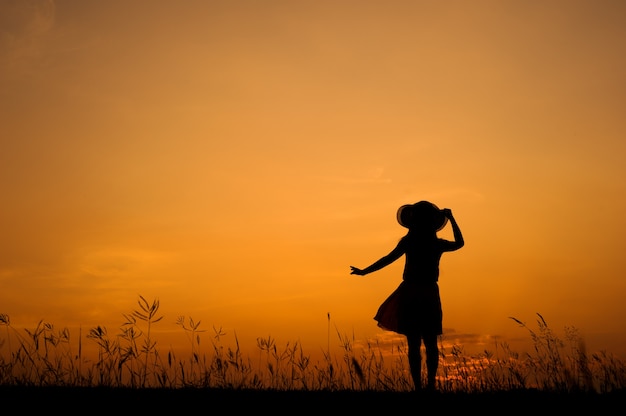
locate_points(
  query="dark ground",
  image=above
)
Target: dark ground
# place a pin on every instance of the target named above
(96, 400)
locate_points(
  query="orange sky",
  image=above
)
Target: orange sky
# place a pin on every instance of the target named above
(234, 158)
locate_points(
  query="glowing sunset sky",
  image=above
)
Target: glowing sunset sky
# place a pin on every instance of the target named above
(234, 158)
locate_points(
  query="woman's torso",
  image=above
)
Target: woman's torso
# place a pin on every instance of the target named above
(422, 259)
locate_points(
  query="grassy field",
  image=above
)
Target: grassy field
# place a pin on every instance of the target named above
(39, 370)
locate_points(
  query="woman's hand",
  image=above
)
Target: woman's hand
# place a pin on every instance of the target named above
(447, 212)
(357, 271)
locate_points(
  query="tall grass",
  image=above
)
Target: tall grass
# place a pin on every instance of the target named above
(554, 365)
(44, 356)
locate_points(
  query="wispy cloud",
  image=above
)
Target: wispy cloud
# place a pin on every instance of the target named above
(374, 175)
(23, 26)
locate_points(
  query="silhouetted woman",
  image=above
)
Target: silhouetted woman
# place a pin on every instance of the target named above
(414, 308)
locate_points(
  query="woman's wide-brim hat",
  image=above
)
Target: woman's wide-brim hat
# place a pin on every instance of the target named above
(423, 214)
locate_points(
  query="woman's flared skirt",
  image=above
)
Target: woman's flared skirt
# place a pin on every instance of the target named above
(412, 308)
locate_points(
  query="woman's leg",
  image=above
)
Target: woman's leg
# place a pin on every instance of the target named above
(432, 359)
(414, 343)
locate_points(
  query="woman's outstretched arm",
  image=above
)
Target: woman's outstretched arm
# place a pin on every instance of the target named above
(379, 264)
